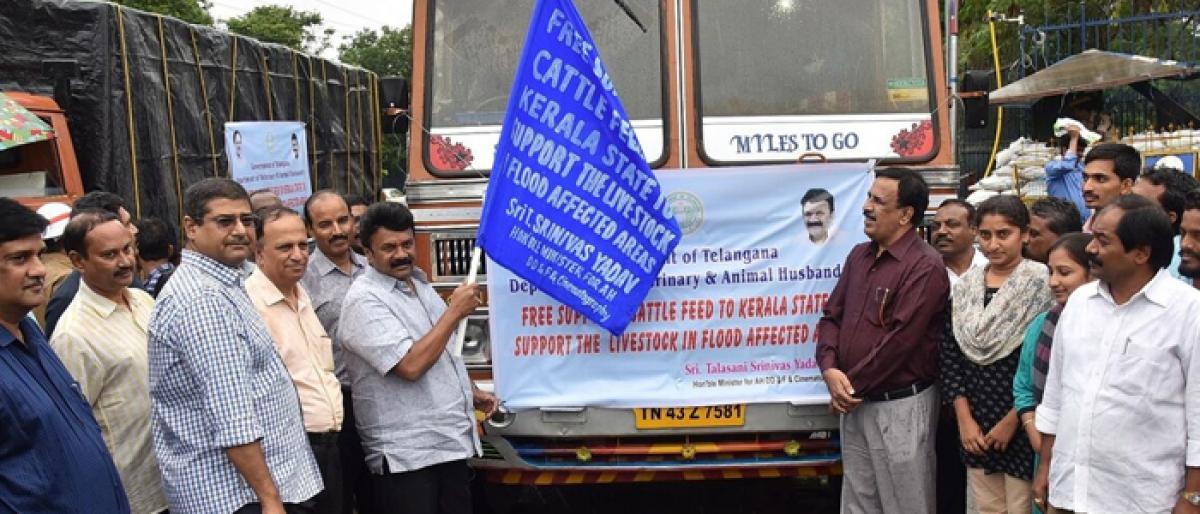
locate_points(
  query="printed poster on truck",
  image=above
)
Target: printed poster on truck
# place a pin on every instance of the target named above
(271, 155)
(732, 317)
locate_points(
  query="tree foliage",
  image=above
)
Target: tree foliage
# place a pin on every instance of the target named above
(191, 11)
(387, 52)
(974, 42)
(284, 25)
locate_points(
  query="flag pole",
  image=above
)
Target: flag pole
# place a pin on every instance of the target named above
(462, 325)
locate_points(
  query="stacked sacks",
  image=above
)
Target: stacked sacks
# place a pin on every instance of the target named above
(1020, 170)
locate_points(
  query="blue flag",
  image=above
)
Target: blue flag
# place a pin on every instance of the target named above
(572, 205)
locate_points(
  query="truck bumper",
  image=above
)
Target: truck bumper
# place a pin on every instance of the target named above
(603, 445)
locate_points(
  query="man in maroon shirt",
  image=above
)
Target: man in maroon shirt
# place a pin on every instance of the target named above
(878, 352)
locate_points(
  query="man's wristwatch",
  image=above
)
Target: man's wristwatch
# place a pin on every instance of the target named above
(1192, 497)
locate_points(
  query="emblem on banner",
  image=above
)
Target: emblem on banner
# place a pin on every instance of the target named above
(688, 209)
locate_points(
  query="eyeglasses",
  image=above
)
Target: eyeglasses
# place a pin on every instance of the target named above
(226, 222)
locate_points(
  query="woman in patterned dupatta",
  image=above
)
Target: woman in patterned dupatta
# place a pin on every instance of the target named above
(990, 309)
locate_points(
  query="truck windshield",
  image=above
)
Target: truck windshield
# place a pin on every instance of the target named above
(472, 55)
(804, 61)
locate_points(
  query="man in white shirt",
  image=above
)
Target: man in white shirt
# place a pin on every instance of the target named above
(954, 232)
(818, 215)
(1120, 416)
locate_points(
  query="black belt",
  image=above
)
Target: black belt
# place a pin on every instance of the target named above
(322, 437)
(903, 392)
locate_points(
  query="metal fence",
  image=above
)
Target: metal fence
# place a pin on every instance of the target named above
(1171, 33)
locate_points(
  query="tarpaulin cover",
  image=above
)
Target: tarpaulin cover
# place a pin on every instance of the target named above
(214, 77)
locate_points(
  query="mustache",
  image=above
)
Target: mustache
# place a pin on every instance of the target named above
(123, 270)
(870, 216)
(395, 263)
(339, 237)
(238, 240)
(34, 282)
(1189, 253)
(1094, 261)
(814, 224)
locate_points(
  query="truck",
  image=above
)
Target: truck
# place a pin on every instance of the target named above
(705, 83)
(137, 103)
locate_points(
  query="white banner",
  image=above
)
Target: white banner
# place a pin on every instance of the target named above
(270, 154)
(732, 318)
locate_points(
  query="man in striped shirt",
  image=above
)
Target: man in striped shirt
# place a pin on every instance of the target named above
(101, 339)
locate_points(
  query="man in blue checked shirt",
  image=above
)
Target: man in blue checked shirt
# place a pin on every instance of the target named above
(52, 457)
(228, 432)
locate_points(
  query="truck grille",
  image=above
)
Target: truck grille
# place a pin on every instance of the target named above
(452, 256)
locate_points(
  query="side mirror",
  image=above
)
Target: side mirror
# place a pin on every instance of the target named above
(393, 98)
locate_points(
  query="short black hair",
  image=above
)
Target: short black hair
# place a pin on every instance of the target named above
(102, 200)
(1075, 243)
(817, 194)
(965, 205)
(1061, 215)
(389, 215)
(317, 196)
(357, 199)
(197, 197)
(1009, 206)
(18, 221)
(1127, 162)
(1175, 189)
(270, 213)
(155, 239)
(913, 191)
(1144, 223)
(1064, 142)
(74, 238)
(1191, 202)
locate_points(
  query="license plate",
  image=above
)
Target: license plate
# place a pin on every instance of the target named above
(654, 418)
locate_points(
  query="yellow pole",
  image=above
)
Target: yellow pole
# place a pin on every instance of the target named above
(999, 84)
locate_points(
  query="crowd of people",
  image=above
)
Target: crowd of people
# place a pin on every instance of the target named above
(1043, 359)
(241, 371)
(1026, 358)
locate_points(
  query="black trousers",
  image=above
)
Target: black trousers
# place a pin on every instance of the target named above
(951, 473)
(290, 508)
(356, 483)
(329, 461)
(438, 489)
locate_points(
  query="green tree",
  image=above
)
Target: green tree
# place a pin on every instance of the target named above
(284, 25)
(191, 11)
(387, 52)
(974, 41)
